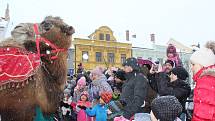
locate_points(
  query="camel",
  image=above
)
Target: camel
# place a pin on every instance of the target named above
(44, 87)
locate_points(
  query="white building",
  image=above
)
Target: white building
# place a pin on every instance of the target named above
(4, 21)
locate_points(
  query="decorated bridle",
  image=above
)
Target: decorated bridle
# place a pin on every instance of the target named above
(55, 49)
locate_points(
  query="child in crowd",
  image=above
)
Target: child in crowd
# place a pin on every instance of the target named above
(65, 105)
(173, 55)
(100, 110)
(166, 108)
(81, 87)
(81, 106)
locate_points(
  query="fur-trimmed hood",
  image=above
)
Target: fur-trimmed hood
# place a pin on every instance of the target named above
(207, 71)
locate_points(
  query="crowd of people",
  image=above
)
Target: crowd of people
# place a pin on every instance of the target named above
(142, 90)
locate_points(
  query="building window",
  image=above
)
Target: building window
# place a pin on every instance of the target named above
(123, 58)
(108, 37)
(111, 57)
(98, 57)
(84, 56)
(101, 36)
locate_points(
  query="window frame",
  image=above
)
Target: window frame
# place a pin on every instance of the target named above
(123, 58)
(107, 36)
(101, 36)
(98, 58)
(111, 57)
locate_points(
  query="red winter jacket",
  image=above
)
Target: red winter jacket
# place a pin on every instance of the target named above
(204, 95)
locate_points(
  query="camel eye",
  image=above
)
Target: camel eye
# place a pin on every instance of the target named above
(46, 25)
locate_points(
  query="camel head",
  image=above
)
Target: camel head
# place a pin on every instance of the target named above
(58, 32)
(55, 31)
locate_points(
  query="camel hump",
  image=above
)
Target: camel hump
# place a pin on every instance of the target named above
(23, 32)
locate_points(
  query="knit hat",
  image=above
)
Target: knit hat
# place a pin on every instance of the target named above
(131, 62)
(82, 81)
(171, 49)
(97, 71)
(120, 74)
(106, 96)
(147, 63)
(180, 72)
(203, 56)
(166, 108)
(170, 62)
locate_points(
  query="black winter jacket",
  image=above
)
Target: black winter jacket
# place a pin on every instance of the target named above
(134, 92)
(178, 88)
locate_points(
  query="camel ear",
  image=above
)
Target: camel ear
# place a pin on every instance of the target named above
(69, 30)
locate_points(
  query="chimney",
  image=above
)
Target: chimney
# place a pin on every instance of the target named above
(134, 36)
(127, 35)
(152, 38)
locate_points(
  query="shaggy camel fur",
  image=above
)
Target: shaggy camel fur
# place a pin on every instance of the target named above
(45, 87)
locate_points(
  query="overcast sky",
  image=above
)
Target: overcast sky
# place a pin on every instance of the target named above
(187, 21)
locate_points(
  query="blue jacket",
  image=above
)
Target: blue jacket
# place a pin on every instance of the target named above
(99, 111)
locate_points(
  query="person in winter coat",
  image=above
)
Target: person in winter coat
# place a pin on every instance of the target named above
(168, 66)
(100, 110)
(145, 66)
(70, 84)
(119, 79)
(203, 67)
(66, 107)
(175, 85)
(81, 87)
(155, 77)
(98, 85)
(173, 55)
(165, 108)
(81, 106)
(178, 87)
(134, 89)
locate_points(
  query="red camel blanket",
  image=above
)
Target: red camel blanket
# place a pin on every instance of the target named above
(17, 64)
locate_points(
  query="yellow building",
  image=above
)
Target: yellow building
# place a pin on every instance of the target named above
(101, 49)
